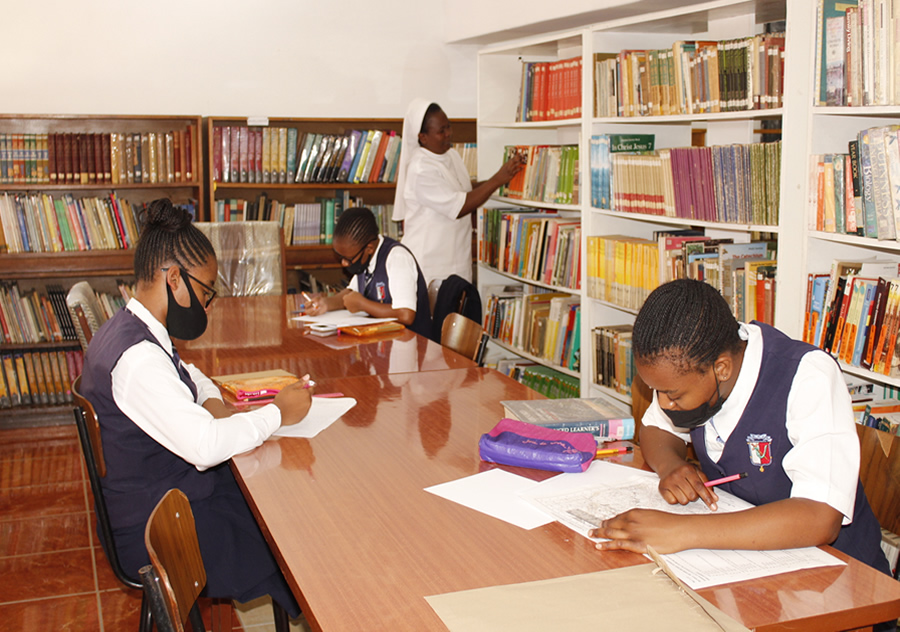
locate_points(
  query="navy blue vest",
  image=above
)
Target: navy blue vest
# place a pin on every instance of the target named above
(758, 443)
(139, 470)
(376, 288)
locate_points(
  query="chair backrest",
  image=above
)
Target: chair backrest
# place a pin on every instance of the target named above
(171, 539)
(250, 255)
(461, 334)
(87, 316)
(879, 471)
(92, 448)
(455, 295)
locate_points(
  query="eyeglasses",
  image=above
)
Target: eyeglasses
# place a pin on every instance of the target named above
(208, 293)
(355, 257)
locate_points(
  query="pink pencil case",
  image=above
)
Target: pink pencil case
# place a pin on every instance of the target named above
(517, 443)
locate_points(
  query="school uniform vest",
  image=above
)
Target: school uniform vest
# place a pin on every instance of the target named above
(758, 443)
(376, 287)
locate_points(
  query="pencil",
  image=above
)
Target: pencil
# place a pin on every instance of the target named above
(726, 479)
(610, 451)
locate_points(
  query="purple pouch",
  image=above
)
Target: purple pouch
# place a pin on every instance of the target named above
(522, 444)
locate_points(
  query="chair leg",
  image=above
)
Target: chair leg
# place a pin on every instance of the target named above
(221, 615)
(195, 618)
(282, 622)
(146, 622)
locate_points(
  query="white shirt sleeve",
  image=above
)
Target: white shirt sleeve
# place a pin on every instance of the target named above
(403, 276)
(147, 388)
(823, 465)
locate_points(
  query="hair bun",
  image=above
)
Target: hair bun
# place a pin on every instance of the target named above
(163, 215)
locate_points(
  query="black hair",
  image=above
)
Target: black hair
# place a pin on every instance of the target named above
(434, 108)
(357, 224)
(167, 235)
(686, 322)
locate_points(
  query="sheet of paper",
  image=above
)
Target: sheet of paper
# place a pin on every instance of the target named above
(496, 493)
(323, 412)
(583, 501)
(343, 318)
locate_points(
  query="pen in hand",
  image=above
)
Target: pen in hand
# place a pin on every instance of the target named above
(726, 479)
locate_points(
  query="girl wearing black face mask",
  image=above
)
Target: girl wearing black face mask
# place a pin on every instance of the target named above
(164, 424)
(385, 279)
(751, 401)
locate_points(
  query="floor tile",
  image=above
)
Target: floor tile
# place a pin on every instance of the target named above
(44, 534)
(42, 500)
(106, 579)
(39, 470)
(46, 575)
(77, 613)
(121, 609)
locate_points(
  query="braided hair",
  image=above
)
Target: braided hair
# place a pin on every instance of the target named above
(358, 225)
(434, 108)
(686, 322)
(167, 234)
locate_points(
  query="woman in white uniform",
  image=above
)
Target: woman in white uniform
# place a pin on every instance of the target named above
(435, 196)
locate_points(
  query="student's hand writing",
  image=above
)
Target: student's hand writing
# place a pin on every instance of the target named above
(684, 484)
(294, 401)
(316, 305)
(354, 301)
(634, 530)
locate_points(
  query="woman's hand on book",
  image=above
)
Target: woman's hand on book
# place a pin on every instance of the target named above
(294, 401)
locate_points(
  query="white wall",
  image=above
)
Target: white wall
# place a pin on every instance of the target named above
(298, 58)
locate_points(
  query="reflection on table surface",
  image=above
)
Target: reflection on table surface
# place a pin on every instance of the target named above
(258, 333)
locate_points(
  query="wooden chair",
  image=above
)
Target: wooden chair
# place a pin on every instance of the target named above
(879, 471)
(464, 336)
(251, 257)
(175, 576)
(92, 448)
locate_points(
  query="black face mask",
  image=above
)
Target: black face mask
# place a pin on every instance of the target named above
(358, 266)
(690, 419)
(185, 323)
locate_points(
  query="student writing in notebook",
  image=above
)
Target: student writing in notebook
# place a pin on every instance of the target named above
(163, 423)
(435, 195)
(386, 281)
(751, 400)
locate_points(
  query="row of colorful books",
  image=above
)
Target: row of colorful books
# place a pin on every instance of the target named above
(853, 312)
(542, 379)
(691, 77)
(38, 377)
(544, 246)
(613, 358)
(623, 270)
(469, 154)
(545, 325)
(858, 193)
(40, 222)
(241, 154)
(883, 414)
(726, 183)
(97, 158)
(304, 224)
(857, 62)
(32, 316)
(550, 174)
(550, 90)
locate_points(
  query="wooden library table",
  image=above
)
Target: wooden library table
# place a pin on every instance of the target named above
(256, 333)
(361, 543)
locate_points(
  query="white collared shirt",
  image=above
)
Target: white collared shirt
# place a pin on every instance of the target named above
(823, 464)
(147, 388)
(402, 274)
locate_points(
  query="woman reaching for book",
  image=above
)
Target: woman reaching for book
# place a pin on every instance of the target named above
(750, 400)
(163, 423)
(434, 193)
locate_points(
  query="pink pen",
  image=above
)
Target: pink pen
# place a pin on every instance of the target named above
(727, 479)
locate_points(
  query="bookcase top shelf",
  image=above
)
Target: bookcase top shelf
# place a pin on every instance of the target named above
(39, 188)
(256, 186)
(684, 221)
(91, 263)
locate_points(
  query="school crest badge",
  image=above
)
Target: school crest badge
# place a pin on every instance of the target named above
(379, 291)
(760, 446)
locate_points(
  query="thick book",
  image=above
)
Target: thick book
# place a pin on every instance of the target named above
(600, 416)
(254, 386)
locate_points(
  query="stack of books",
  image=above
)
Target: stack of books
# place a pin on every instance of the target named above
(550, 174)
(606, 419)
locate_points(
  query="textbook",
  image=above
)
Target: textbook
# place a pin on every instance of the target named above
(600, 416)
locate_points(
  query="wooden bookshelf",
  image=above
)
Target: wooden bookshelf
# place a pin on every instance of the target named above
(319, 255)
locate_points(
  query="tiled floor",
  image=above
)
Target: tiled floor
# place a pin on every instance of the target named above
(53, 573)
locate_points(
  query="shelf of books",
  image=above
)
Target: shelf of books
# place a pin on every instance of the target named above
(71, 188)
(302, 173)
